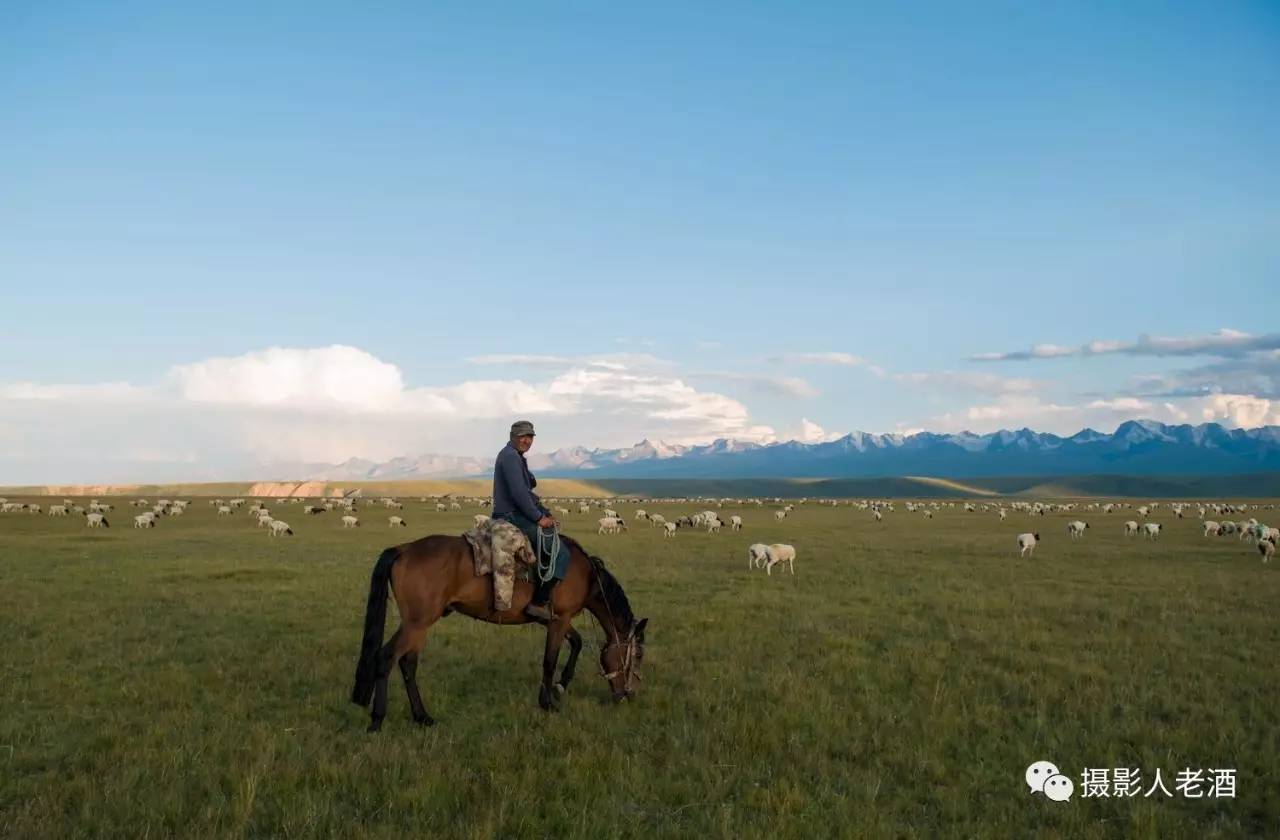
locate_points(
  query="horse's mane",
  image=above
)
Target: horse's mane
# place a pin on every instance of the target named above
(614, 597)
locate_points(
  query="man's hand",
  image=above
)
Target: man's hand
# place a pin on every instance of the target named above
(546, 522)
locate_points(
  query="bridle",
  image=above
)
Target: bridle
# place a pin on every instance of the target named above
(627, 668)
(630, 651)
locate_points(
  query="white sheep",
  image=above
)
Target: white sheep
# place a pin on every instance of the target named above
(479, 519)
(1151, 531)
(611, 525)
(1211, 528)
(757, 555)
(350, 522)
(57, 510)
(1130, 528)
(781, 553)
(1027, 544)
(279, 528)
(1267, 549)
(264, 519)
(668, 529)
(96, 520)
(144, 520)
(735, 523)
(1076, 529)
(396, 522)
(780, 515)
(224, 510)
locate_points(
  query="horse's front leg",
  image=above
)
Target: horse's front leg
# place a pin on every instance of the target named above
(547, 697)
(566, 673)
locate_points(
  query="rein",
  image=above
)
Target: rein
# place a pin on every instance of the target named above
(629, 646)
(549, 547)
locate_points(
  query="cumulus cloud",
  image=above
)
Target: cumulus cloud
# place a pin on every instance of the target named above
(328, 404)
(1240, 410)
(1225, 343)
(811, 432)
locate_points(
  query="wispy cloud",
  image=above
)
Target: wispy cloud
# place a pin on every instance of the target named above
(828, 358)
(985, 383)
(781, 386)
(1224, 343)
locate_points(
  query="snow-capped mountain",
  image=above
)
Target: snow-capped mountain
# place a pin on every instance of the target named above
(1137, 447)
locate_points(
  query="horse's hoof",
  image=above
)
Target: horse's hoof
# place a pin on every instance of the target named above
(374, 726)
(558, 689)
(425, 721)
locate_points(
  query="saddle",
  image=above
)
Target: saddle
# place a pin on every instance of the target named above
(500, 549)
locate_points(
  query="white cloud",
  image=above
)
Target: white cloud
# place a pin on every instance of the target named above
(1240, 410)
(811, 432)
(336, 376)
(826, 358)
(781, 386)
(328, 404)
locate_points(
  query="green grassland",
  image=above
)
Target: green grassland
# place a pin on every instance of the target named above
(191, 681)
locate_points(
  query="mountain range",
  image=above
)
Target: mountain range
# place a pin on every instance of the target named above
(1136, 447)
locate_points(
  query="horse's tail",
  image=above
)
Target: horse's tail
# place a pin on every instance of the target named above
(375, 615)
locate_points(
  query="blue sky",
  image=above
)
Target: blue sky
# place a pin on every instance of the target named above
(676, 204)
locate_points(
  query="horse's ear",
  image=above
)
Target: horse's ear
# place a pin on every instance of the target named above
(639, 630)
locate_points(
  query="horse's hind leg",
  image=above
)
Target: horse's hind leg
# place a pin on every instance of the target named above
(386, 658)
(413, 640)
(566, 674)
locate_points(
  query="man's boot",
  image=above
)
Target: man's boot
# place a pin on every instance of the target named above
(538, 605)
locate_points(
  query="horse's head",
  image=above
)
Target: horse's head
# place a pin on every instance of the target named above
(620, 661)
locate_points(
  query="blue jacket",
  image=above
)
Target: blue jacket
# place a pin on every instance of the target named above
(513, 486)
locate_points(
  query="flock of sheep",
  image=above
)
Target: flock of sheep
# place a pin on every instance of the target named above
(759, 555)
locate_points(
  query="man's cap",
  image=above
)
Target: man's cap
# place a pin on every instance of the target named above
(521, 427)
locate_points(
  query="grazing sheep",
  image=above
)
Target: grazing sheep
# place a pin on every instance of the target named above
(57, 510)
(312, 510)
(1151, 531)
(1130, 528)
(1076, 529)
(144, 520)
(224, 510)
(735, 523)
(279, 528)
(96, 520)
(479, 519)
(396, 522)
(657, 519)
(1211, 528)
(714, 525)
(584, 508)
(563, 511)
(265, 519)
(757, 555)
(611, 525)
(455, 506)
(877, 516)
(668, 529)
(780, 515)
(1267, 549)
(1027, 543)
(350, 522)
(781, 553)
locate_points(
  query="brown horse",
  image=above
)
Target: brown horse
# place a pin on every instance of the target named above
(435, 576)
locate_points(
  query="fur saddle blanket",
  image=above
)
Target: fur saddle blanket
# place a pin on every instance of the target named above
(501, 550)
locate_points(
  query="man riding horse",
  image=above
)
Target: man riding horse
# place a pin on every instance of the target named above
(515, 501)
